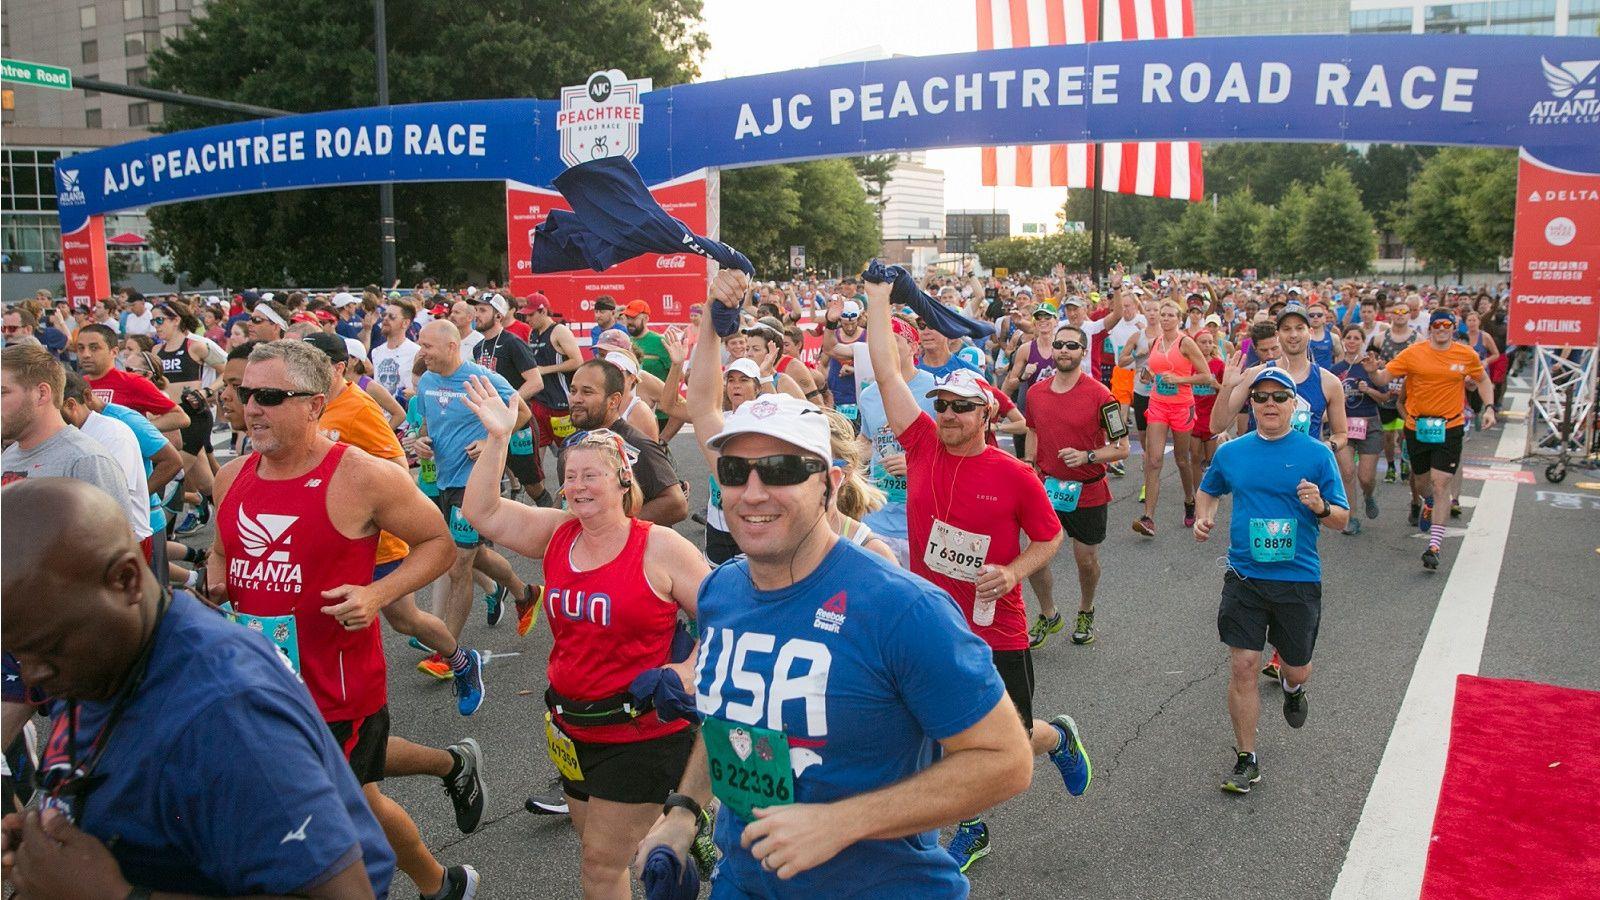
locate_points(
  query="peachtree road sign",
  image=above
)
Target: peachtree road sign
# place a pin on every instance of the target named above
(37, 74)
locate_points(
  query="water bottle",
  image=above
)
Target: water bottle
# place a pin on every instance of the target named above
(983, 609)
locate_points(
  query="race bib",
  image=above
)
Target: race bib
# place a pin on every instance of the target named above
(1356, 428)
(1300, 421)
(1203, 390)
(561, 426)
(1272, 540)
(892, 485)
(563, 753)
(1166, 387)
(280, 630)
(849, 411)
(716, 491)
(461, 531)
(522, 442)
(955, 553)
(427, 471)
(749, 766)
(1063, 494)
(1430, 429)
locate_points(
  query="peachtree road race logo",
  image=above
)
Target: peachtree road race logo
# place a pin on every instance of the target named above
(1576, 88)
(600, 118)
(71, 193)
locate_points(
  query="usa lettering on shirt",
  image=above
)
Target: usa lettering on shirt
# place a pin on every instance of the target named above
(771, 673)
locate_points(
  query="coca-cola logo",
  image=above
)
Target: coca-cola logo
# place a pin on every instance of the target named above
(672, 262)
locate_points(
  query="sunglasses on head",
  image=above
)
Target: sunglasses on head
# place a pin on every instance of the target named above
(957, 406)
(1273, 396)
(1066, 345)
(266, 396)
(778, 470)
(849, 315)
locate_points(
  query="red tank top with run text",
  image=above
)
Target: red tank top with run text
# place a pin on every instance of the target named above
(609, 625)
(283, 551)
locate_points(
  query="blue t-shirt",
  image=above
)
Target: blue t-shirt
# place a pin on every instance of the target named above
(863, 666)
(889, 520)
(349, 328)
(1356, 403)
(1263, 477)
(953, 364)
(451, 424)
(150, 443)
(221, 778)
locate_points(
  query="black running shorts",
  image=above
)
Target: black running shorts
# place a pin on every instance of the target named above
(1445, 457)
(1141, 405)
(365, 743)
(1257, 610)
(1086, 525)
(640, 772)
(1016, 671)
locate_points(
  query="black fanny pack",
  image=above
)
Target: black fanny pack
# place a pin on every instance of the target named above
(614, 710)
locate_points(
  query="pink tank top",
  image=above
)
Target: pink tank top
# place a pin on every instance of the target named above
(1170, 362)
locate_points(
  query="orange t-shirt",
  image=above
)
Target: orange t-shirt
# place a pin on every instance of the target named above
(1436, 380)
(354, 418)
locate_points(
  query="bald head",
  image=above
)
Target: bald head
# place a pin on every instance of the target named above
(439, 346)
(76, 587)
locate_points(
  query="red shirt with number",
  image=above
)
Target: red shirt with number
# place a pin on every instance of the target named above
(1071, 420)
(992, 493)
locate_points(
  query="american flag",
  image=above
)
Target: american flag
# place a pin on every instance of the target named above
(1151, 168)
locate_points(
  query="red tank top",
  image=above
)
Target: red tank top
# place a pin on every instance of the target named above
(609, 625)
(283, 552)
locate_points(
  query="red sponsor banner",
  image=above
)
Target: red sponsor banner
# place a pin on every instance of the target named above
(83, 254)
(1555, 272)
(668, 283)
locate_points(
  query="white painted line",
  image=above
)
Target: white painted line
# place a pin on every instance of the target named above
(1390, 847)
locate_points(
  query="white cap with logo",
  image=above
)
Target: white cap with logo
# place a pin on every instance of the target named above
(962, 383)
(745, 366)
(786, 418)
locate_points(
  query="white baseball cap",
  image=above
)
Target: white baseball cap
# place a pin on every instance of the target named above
(962, 383)
(625, 362)
(786, 418)
(851, 308)
(343, 299)
(495, 301)
(745, 366)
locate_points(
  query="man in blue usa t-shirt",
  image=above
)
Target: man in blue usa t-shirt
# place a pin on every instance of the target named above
(826, 677)
(186, 758)
(1285, 487)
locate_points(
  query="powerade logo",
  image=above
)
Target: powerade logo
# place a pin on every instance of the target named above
(71, 192)
(1575, 87)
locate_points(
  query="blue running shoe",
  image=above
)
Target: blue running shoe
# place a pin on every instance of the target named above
(189, 525)
(970, 844)
(415, 644)
(469, 684)
(496, 601)
(1071, 758)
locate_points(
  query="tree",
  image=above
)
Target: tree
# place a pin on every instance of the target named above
(1334, 233)
(1276, 251)
(1140, 219)
(311, 55)
(1231, 245)
(760, 207)
(1190, 237)
(1269, 169)
(1438, 217)
(1040, 255)
(875, 173)
(835, 223)
(1383, 174)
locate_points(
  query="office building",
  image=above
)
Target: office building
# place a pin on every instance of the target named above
(1215, 18)
(1576, 18)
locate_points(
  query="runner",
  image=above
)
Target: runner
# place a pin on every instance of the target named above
(969, 540)
(1075, 430)
(1395, 337)
(596, 398)
(120, 657)
(1321, 344)
(1362, 423)
(614, 584)
(1202, 442)
(1319, 394)
(314, 597)
(556, 352)
(847, 795)
(1435, 420)
(97, 360)
(1285, 486)
(888, 470)
(841, 325)
(1174, 365)
(185, 360)
(391, 360)
(514, 360)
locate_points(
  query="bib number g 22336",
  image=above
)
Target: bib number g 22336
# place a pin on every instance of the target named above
(749, 765)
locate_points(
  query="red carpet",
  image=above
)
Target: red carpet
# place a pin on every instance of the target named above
(1519, 809)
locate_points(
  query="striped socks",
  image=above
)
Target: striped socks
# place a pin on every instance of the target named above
(1436, 535)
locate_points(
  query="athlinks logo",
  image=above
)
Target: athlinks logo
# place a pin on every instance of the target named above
(71, 193)
(1575, 85)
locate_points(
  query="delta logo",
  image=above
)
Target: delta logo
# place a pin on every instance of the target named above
(1575, 87)
(71, 193)
(830, 616)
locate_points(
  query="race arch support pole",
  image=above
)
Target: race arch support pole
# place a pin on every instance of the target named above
(380, 40)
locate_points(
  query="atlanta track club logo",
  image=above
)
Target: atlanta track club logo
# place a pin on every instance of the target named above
(71, 193)
(1575, 87)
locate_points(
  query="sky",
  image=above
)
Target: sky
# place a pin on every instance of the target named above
(755, 37)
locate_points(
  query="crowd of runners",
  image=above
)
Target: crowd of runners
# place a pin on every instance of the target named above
(212, 502)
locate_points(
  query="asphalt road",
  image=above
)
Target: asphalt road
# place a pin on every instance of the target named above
(1148, 694)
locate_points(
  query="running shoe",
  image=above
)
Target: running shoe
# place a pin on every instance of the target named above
(1405, 467)
(462, 882)
(469, 684)
(1083, 630)
(1455, 508)
(1294, 707)
(496, 601)
(415, 644)
(1372, 507)
(1042, 629)
(189, 525)
(1416, 511)
(528, 610)
(703, 850)
(437, 667)
(1117, 469)
(1389, 476)
(1271, 670)
(1071, 757)
(1353, 529)
(466, 786)
(1430, 558)
(1425, 517)
(1145, 526)
(553, 802)
(1245, 773)
(1188, 514)
(969, 844)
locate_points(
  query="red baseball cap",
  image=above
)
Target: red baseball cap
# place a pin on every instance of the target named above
(324, 315)
(536, 303)
(302, 316)
(636, 308)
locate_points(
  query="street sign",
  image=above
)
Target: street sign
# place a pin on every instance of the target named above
(797, 257)
(38, 74)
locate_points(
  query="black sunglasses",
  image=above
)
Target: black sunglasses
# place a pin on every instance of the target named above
(958, 406)
(778, 470)
(1274, 396)
(257, 320)
(267, 396)
(1066, 345)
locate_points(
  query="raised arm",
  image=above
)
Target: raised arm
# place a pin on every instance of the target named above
(525, 529)
(899, 406)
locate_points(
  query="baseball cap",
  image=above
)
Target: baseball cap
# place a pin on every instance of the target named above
(1196, 299)
(1045, 309)
(851, 308)
(961, 383)
(625, 362)
(637, 308)
(303, 316)
(1024, 289)
(1295, 291)
(1213, 319)
(325, 315)
(745, 366)
(499, 304)
(786, 418)
(605, 303)
(1073, 301)
(536, 303)
(345, 298)
(331, 345)
(1294, 308)
(1274, 373)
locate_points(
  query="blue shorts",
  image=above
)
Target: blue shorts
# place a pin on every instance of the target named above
(382, 570)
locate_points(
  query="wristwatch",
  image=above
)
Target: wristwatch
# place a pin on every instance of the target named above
(684, 802)
(1090, 454)
(1327, 510)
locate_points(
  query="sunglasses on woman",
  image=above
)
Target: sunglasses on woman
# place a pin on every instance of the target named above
(266, 396)
(158, 320)
(957, 406)
(778, 470)
(1273, 396)
(1066, 345)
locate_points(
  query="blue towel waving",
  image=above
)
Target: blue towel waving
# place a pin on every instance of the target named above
(672, 700)
(614, 219)
(904, 291)
(666, 877)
